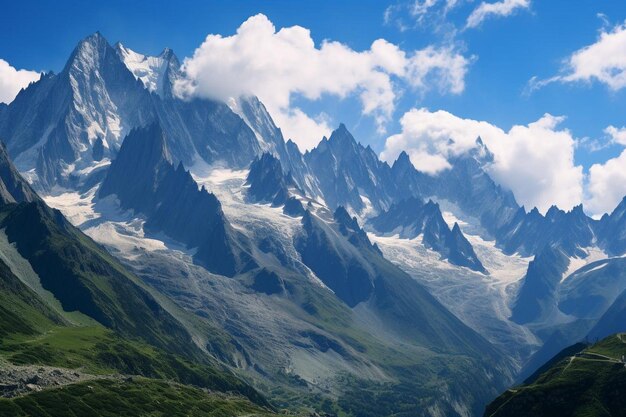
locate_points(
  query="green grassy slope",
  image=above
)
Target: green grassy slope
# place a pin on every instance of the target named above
(590, 384)
(141, 339)
(85, 278)
(31, 334)
(97, 350)
(21, 310)
(137, 397)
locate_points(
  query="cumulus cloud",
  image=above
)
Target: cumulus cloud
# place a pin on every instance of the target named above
(617, 135)
(607, 185)
(13, 80)
(278, 65)
(535, 161)
(603, 61)
(498, 9)
(308, 129)
(607, 181)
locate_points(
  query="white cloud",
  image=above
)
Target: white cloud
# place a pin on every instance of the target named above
(607, 185)
(423, 13)
(13, 80)
(451, 4)
(421, 7)
(276, 65)
(535, 161)
(498, 9)
(607, 181)
(447, 68)
(617, 135)
(299, 125)
(603, 61)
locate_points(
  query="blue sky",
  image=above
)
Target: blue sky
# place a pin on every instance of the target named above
(504, 53)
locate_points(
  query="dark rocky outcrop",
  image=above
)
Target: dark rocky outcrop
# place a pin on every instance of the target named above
(144, 179)
(536, 295)
(267, 181)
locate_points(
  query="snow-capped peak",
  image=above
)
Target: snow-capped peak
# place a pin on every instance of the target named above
(151, 70)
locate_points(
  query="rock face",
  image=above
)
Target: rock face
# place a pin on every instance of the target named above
(267, 181)
(530, 233)
(338, 264)
(56, 121)
(65, 127)
(293, 207)
(612, 321)
(611, 230)
(411, 218)
(137, 171)
(536, 296)
(268, 282)
(13, 188)
(409, 181)
(144, 179)
(157, 73)
(347, 172)
(590, 291)
(271, 141)
(460, 251)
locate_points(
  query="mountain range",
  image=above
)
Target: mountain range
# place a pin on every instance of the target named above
(324, 281)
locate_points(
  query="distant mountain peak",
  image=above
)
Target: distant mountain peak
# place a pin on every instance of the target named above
(481, 152)
(89, 53)
(342, 217)
(403, 158)
(578, 209)
(168, 53)
(403, 167)
(553, 212)
(411, 218)
(431, 203)
(157, 73)
(143, 157)
(460, 251)
(95, 37)
(267, 180)
(342, 138)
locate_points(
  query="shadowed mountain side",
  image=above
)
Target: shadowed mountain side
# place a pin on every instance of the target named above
(144, 179)
(343, 257)
(588, 383)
